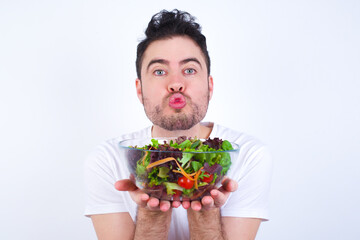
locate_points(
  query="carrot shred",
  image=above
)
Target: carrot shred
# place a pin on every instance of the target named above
(144, 157)
(168, 160)
(177, 171)
(196, 177)
(160, 162)
(183, 172)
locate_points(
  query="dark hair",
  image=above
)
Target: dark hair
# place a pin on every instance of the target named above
(167, 24)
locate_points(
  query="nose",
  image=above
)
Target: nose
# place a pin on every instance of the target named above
(176, 84)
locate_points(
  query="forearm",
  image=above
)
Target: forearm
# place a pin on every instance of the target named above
(205, 224)
(152, 224)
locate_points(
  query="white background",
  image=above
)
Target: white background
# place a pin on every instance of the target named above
(286, 72)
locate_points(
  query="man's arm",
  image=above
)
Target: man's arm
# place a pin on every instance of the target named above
(208, 224)
(152, 224)
(237, 228)
(113, 226)
(153, 216)
(205, 224)
(205, 221)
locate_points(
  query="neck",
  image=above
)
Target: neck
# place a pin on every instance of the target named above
(199, 131)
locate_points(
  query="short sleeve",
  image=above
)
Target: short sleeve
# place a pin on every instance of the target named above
(254, 178)
(100, 175)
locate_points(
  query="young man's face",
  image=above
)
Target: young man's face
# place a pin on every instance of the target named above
(175, 88)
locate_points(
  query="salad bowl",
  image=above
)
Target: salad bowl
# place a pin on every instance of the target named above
(178, 168)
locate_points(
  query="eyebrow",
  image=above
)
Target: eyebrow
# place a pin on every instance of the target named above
(166, 62)
(161, 61)
(191, 60)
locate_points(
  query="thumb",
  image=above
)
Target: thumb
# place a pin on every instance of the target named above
(229, 185)
(125, 185)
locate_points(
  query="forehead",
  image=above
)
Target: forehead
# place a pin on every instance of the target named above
(174, 49)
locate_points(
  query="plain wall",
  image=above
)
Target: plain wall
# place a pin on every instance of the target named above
(286, 72)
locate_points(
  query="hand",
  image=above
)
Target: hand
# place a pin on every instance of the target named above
(216, 199)
(142, 199)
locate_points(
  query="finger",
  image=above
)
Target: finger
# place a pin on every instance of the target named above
(186, 204)
(165, 206)
(219, 197)
(207, 202)
(229, 185)
(196, 205)
(176, 204)
(141, 199)
(125, 185)
(153, 203)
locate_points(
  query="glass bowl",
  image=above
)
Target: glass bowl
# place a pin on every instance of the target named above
(187, 171)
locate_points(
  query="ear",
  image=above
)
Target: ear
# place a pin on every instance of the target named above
(211, 86)
(139, 90)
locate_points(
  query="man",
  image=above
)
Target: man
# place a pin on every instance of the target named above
(174, 85)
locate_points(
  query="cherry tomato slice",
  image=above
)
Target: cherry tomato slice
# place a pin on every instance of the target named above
(185, 183)
(177, 193)
(208, 179)
(176, 196)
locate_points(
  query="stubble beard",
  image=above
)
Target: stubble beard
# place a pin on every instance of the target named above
(179, 120)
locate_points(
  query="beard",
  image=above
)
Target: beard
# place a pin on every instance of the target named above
(179, 120)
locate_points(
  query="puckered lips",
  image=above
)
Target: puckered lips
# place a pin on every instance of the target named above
(177, 101)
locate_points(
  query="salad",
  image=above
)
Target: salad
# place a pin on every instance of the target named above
(184, 168)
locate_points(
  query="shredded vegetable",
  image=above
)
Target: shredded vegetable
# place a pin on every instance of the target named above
(168, 160)
(192, 174)
(143, 158)
(160, 162)
(197, 176)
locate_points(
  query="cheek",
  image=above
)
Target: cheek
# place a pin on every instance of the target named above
(147, 89)
(200, 90)
(153, 92)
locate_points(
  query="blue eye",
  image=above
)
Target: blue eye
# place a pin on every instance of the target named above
(159, 72)
(189, 71)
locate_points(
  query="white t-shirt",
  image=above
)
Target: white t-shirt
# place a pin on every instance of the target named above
(252, 170)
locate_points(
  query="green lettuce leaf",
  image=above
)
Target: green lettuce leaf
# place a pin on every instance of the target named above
(226, 145)
(185, 158)
(196, 166)
(155, 143)
(185, 144)
(188, 192)
(163, 172)
(140, 170)
(225, 162)
(170, 187)
(154, 179)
